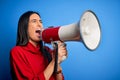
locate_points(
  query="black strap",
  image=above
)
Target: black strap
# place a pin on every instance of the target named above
(56, 57)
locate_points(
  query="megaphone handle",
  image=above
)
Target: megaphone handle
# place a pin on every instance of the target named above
(56, 57)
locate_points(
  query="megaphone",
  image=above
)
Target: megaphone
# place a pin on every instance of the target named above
(86, 30)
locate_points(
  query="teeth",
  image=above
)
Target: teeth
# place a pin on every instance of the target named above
(38, 31)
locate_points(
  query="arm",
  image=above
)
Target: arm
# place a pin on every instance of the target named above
(49, 70)
(62, 51)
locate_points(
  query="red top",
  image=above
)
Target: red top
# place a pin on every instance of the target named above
(27, 62)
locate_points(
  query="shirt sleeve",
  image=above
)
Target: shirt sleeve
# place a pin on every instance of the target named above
(20, 69)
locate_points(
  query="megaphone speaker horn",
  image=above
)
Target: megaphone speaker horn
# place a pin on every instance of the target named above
(90, 30)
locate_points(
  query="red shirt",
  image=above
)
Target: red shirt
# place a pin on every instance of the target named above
(27, 62)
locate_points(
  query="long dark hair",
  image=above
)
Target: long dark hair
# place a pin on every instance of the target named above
(22, 35)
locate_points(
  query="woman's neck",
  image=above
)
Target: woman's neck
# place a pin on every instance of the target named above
(34, 43)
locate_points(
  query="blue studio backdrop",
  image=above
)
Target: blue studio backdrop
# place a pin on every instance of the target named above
(81, 64)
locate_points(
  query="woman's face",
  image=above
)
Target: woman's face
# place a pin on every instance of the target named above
(34, 28)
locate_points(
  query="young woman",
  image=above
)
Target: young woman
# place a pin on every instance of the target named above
(29, 59)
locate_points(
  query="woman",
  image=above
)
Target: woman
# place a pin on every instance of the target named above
(29, 59)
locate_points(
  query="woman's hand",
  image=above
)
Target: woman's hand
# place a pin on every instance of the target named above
(62, 51)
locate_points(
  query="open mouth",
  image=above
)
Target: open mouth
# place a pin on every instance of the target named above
(38, 31)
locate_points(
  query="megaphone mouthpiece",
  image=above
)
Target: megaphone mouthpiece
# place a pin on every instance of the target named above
(50, 34)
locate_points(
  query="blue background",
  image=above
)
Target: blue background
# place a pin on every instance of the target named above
(81, 64)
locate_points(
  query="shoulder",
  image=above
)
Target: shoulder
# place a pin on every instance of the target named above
(15, 51)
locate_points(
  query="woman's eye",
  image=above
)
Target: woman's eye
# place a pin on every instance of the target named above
(40, 21)
(33, 20)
